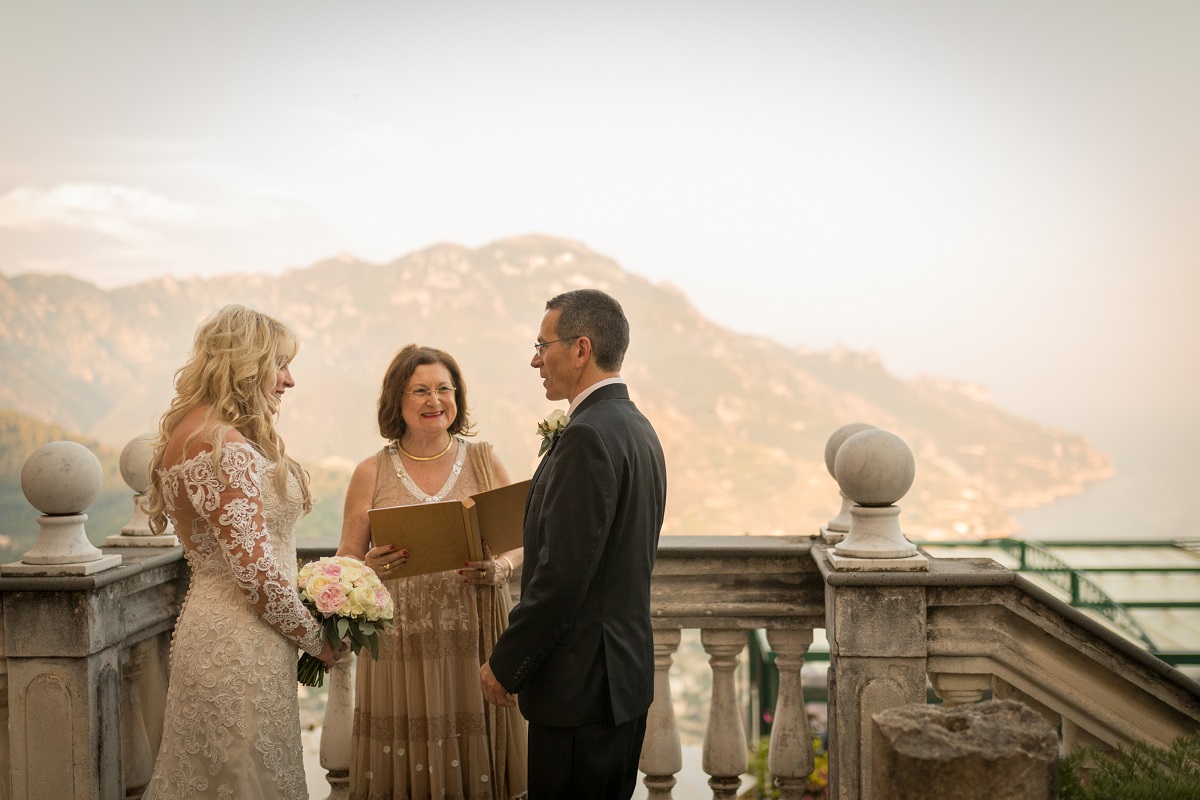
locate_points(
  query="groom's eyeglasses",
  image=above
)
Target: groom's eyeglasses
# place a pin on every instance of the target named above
(539, 349)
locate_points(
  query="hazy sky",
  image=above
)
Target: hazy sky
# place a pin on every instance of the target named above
(1004, 193)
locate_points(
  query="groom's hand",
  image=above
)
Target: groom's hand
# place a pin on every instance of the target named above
(493, 691)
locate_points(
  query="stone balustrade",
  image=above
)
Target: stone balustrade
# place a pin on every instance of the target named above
(85, 663)
(725, 586)
(84, 660)
(84, 674)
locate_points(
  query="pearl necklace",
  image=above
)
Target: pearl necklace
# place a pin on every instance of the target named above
(449, 444)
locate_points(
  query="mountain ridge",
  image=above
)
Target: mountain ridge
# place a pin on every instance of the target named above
(743, 419)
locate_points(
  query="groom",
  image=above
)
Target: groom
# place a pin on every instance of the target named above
(578, 648)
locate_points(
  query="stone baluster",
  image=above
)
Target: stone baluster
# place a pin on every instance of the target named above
(61, 479)
(790, 758)
(662, 756)
(959, 688)
(725, 755)
(836, 529)
(1076, 738)
(338, 727)
(1003, 690)
(137, 762)
(135, 470)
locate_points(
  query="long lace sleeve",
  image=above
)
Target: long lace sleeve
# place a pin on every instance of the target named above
(231, 503)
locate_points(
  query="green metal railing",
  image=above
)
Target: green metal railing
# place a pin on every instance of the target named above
(1036, 557)
(1083, 591)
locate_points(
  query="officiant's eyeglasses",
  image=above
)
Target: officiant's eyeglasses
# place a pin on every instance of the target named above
(424, 394)
(539, 349)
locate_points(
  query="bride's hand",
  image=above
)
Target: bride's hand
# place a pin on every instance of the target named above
(331, 655)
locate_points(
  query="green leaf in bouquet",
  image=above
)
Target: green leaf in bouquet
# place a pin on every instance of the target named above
(367, 628)
(343, 627)
(357, 639)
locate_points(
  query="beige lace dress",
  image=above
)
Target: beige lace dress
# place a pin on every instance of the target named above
(232, 725)
(421, 726)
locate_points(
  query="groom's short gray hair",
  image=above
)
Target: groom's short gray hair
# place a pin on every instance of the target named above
(599, 317)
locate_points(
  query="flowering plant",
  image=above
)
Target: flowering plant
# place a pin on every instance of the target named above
(817, 786)
(349, 600)
(551, 428)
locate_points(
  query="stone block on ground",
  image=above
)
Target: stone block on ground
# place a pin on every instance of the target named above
(998, 750)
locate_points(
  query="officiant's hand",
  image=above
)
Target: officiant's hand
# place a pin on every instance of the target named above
(490, 572)
(385, 557)
(493, 691)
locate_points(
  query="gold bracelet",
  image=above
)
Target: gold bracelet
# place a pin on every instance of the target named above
(510, 564)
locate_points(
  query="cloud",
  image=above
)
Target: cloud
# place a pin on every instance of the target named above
(125, 213)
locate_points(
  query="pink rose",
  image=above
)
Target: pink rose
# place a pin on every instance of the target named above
(333, 570)
(382, 598)
(330, 599)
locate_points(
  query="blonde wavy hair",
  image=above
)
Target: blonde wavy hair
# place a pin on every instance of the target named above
(232, 371)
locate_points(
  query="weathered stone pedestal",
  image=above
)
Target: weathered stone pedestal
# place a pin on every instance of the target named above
(998, 750)
(877, 652)
(876, 631)
(62, 549)
(86, 661)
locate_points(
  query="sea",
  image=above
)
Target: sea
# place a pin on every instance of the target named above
(1152, 496)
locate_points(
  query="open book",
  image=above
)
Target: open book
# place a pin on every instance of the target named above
(445, 535)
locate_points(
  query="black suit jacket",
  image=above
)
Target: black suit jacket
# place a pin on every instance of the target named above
(578, 649)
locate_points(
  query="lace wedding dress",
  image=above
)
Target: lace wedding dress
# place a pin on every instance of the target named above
(232, 725)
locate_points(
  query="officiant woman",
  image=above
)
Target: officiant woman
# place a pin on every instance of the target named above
(421, 726)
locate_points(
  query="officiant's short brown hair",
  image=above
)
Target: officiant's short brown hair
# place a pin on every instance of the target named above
(395, 381)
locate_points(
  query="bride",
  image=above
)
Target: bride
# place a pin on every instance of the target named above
(220, 474)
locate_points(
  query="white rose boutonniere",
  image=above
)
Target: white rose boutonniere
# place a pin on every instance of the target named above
(551, 428)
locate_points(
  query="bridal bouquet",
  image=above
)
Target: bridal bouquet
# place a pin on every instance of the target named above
(349, 599)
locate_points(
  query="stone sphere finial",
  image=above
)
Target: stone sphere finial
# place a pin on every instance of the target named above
(61, 478)
(835, 530)
(874, 468)
(838, 438)
(135, 462)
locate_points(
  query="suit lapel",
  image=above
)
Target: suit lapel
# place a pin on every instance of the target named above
(536, 473)
(614, 391)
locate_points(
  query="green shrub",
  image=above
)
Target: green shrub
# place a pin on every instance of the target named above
(1139, 772)
(765, 789)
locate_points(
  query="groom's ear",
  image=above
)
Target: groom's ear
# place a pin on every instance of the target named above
(583, 351)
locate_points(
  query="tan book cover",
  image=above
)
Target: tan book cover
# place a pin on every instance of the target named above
(445, 535)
